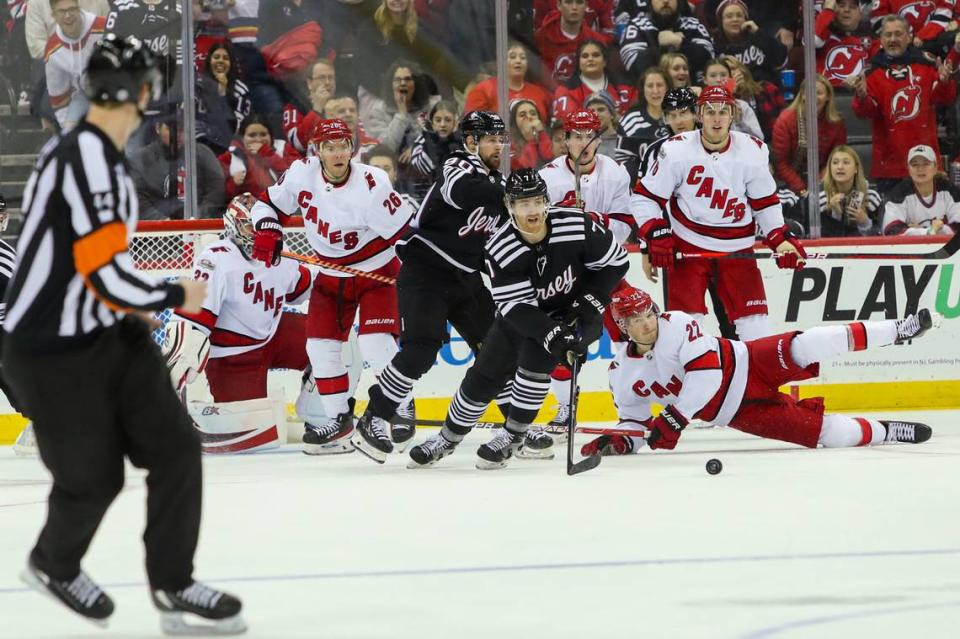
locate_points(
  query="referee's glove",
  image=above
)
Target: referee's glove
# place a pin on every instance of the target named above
(267, 242)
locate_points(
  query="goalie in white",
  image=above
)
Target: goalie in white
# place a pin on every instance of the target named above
(241, 333)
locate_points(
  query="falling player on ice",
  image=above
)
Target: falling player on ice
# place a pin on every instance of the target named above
(715, 187)
(605, 195)
(670, 361)
(551, 272)
(240, 334)
(352, 217)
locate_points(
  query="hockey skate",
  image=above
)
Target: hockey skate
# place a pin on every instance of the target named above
(430, 452)
(26, 444)
(404, 426)
(198, 610)
(907, 432)
(496, 453)
(537, 444)
(914, 326)
(80, 594)
(372, 438)
(331, 438)
(557, 427)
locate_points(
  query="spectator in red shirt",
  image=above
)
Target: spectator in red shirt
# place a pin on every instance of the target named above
(899, 96)
(843, 45)
(252, 164)
(483, 96)
(790, 136)
(593, 76)
(531, 146)
(599, 14)
(559, 36)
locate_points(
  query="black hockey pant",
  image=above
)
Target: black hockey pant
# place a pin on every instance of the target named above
(429, 297)
(92, 406)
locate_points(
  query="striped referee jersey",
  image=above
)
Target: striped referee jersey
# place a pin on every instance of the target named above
(8, 258)
(74, 276)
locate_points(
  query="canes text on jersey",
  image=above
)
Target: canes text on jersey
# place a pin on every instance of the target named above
(268, 297)
(350, 239)
(731, 207)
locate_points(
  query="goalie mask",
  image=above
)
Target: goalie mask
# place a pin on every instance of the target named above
(526, 201)
(629, 302)
(238, 223)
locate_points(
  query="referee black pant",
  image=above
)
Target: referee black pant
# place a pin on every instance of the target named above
(91, 407)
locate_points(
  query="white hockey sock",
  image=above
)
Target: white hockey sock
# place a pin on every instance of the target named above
(378, 350)
(818, 344)
(330, 374)
(561, 390)
(842, 431)
(752, 327)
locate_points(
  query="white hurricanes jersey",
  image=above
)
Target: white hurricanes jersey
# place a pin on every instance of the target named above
(605, 190)
(704, 377)
(714, 200)
(353, 224)
(244, 298)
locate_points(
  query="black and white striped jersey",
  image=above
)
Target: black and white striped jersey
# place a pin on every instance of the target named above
(532, 284)
(8, 258)
(74, 276)
(459, 213)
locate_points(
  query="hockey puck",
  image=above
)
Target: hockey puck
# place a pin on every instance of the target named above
(714, 466)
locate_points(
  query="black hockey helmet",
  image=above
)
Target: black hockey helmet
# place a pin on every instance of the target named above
(118, 68)
(524, 183)
(679, 99)
(478, 123)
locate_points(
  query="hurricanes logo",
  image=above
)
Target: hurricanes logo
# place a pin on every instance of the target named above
(905, 104)
(844, 61)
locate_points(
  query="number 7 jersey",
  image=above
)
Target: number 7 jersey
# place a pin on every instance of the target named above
(704, 377)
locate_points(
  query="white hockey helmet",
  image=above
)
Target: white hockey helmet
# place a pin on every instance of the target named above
(238, 223)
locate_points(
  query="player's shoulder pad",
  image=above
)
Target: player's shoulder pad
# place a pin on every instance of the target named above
(553, 165)
(751, 143)
(373, 175)
(565, 212)
(214, 253)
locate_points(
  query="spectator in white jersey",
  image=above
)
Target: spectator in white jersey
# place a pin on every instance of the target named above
(65, 57)
(849, 205)
(924, 203)
(40, 22)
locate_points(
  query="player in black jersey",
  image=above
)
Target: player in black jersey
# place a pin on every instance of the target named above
(552, 271)
(439, 279)
(86, 369)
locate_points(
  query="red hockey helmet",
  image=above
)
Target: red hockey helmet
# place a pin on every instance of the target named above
(583, 120)
(715, 95)
(328, 130)
(630, 301)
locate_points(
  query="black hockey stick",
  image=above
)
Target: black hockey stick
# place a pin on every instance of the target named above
(588, 463)
(942, 253)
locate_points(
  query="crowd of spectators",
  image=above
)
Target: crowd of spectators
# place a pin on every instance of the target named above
(402, 73)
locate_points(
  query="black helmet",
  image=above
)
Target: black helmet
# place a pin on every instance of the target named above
(680, 99)
(477, 123)
(524, 183)
(118, 68)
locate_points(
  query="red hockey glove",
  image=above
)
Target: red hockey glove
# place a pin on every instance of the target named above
(666, 428)
(268, 242)
(788, 260)
(608, 445)
(660, 245)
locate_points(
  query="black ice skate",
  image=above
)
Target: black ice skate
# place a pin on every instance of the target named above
(908, 432)
(430, 452)
(537, 444)
(497, 452)
(80, 594)
(198, 610)
(330, 438)
(557, 427)
(913, 326)
(372, 438)
(404, 426)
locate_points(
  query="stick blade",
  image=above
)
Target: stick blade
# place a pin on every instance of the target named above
(582, 466)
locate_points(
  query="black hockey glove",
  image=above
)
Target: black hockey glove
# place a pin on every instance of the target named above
(586, 314)
(565, 346)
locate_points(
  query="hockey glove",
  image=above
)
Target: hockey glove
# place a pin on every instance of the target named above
(608, 445)
(268, 242)
(565, 346)
(789, 259)
(586, 313)
(660, 245)
(666, 428)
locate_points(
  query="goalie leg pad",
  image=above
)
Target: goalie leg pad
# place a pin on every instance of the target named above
(244, 426)
(186, 350)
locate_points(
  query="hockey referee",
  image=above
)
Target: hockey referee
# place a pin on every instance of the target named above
(83, 365)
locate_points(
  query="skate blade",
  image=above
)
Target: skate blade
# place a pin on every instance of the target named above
(330, 448)
(401, 447)
(483, 464)
(28, 578)
(413, 465)
(544, 454)
(189, 624)
(361, 445)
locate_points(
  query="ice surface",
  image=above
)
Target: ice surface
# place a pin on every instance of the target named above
(786, 542)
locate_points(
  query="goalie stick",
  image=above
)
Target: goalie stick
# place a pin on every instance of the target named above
(942, 253)
(306, 259)
(588, 463)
